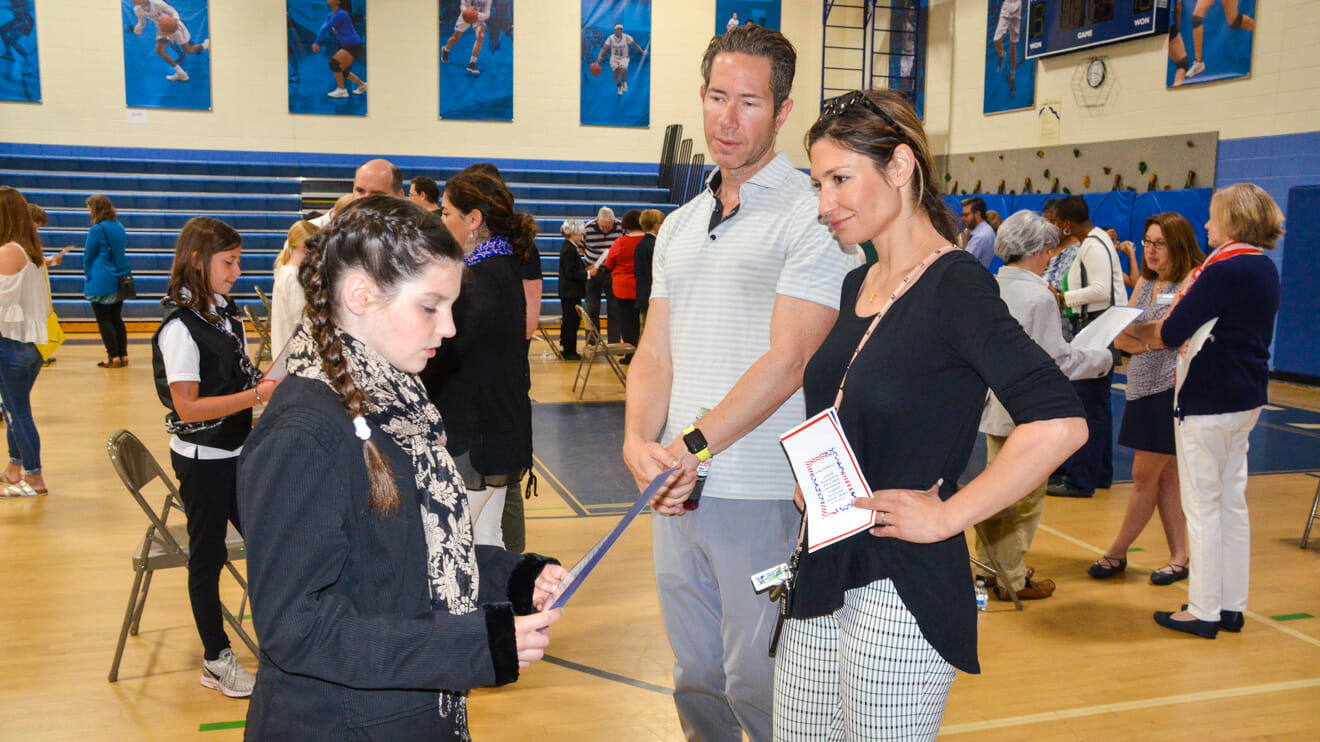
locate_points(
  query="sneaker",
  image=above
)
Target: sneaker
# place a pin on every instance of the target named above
(472, 67)
(625, 87)
(337, 93)
(227, 676)
(1197, 68)
(620, 90)
(179, 76)
(206, 44)
(1065, 489)
(444, 56)
(359, 90)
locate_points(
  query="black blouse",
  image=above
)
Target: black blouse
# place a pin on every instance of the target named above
(910, 409)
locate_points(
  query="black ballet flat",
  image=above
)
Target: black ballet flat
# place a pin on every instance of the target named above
(1106, 567)
(1195, 626)
(1228, 620)
(1169, 574)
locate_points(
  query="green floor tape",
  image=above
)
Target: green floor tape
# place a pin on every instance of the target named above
(222, 725)
(1291, 616)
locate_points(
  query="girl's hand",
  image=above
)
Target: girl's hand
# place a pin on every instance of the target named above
(910, 515)
(551, 577)
(534, 635)
(266, 388)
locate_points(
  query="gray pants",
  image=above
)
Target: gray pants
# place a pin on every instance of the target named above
(718, 627)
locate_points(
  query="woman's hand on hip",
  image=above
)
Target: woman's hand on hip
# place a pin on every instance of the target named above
(910, 515)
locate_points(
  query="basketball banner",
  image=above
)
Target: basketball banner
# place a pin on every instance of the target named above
(1010, 78)
(616, 63)
(1210, 40)
(476, 60)
(328, 57)
(20, 73)
(167, 54)
(729, 14)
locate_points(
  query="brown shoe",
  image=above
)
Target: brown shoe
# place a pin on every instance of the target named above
(1033, 590)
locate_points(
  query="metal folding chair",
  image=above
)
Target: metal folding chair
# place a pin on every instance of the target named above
(165, 544)
(543, 325)
(1315, 515)
(265, 300)
(595, 346)
(993, 566)
(263, 334)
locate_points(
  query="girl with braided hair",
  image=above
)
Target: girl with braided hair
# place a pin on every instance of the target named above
(377, 612)
(206, 381)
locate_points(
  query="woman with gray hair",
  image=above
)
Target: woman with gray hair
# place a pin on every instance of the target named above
(572, 284)
(1024, 243)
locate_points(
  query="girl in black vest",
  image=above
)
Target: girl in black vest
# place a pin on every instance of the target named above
(208, 384)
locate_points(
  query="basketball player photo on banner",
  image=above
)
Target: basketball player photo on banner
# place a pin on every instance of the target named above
(1210, 40)
(476, 60)
(1010, 78)
(730, 14)
(616, 63)
(328, 57)
(907, 50)
(20, 74)
(167, 54)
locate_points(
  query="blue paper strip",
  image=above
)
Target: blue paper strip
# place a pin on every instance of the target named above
(578, 574)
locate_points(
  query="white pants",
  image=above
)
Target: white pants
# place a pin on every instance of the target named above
(1212, 468)
(487, 515)
(862, 673)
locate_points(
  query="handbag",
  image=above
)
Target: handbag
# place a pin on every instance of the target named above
(54, 333)
(127, 289)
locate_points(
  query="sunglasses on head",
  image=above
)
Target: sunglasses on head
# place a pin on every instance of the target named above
(839, 105)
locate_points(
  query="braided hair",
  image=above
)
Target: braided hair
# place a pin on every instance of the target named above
(392, 241)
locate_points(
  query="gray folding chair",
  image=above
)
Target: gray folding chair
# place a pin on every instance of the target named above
(1315, 515)
(263, 334)
(543, 325)
(265, 300)
(165, 544)
(595, 346)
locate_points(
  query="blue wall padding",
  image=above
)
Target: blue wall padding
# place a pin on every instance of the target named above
(1297, 333)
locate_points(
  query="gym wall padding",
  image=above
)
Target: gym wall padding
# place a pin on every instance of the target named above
(1297, 332)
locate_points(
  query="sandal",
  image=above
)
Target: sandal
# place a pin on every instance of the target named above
(1106, 567)
(1169, 574)
(112, 363)
(22, 489)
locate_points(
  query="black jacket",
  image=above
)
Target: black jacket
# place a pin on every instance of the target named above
(572, 273)
(350, 646)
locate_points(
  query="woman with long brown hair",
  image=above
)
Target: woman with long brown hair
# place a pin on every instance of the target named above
(105, 263)
(25, 301)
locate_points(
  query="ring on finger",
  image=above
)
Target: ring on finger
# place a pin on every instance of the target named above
(883, 523)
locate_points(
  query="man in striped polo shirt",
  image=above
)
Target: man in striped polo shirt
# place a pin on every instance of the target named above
(746, 285)
(599, 236)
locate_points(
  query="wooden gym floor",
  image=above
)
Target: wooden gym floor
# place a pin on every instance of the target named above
(1087, 664)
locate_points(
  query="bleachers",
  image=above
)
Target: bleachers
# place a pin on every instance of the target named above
(155, 193)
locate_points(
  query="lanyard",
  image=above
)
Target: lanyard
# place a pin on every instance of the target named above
(1225, 251)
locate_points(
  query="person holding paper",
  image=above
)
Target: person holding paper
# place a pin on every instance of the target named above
(1024, 243)
(1170, 252)
(1092, 283)
(1219, 401)
(739, 354)
(879, 622)
(376, 609)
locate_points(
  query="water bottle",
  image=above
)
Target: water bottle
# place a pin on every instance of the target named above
(982, 596)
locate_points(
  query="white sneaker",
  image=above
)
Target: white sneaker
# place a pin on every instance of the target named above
(179, 76)
(206, 44)
(337, 93)
(1197, 68)
(625, 87)
(620, 90)
(359, 90)
(227, 676)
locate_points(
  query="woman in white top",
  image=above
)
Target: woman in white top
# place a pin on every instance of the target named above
(24, 306)
(287, 299)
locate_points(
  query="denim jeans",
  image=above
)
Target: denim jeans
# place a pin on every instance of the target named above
(19, 365)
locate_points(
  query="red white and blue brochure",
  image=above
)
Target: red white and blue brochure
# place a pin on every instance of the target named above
(828, 473)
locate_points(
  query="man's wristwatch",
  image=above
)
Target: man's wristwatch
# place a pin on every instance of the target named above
(696, 443)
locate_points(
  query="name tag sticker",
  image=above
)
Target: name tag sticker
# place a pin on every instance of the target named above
(1164, 300)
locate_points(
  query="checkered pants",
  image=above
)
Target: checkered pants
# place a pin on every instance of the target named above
(864, 672)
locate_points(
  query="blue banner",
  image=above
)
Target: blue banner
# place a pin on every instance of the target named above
(731, 13)
(907, 51)
(328, 57)
(167, 57)
(1217, 48)
(476, 60)
(616, 63)
(1010, 79)
(20, 72)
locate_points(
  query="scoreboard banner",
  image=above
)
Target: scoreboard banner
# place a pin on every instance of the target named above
(1010, 78)
(1062, 26)
(1210, 40)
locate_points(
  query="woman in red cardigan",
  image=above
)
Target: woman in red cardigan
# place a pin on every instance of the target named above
(619, 261)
